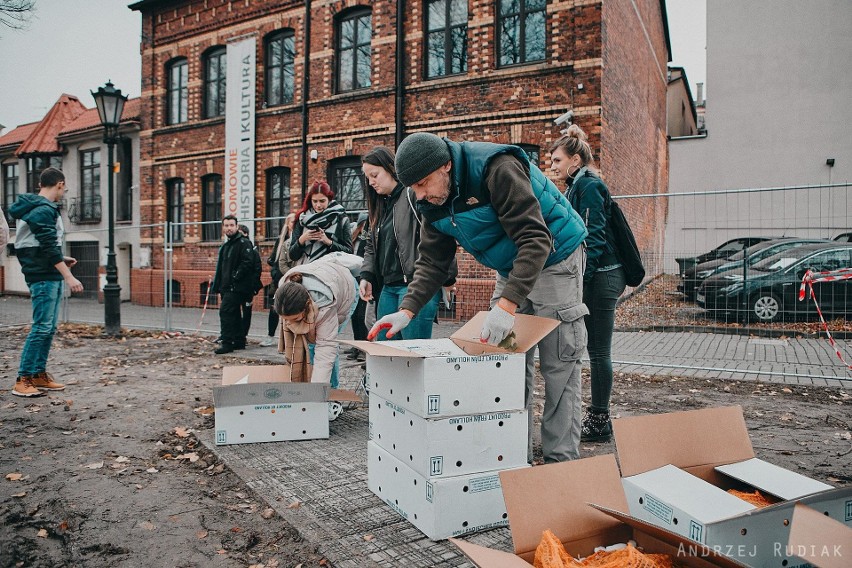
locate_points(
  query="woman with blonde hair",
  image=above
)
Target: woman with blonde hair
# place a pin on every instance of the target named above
(603, 279)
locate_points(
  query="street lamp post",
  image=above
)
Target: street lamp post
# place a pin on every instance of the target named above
(110, 103)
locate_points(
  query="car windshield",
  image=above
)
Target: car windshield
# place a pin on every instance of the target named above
(781, 260)
(751, 250)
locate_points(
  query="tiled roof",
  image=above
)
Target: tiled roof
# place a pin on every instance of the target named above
(90, 118)
(18, 135)
(43, 139)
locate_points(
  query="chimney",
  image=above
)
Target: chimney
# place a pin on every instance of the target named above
(699, 95)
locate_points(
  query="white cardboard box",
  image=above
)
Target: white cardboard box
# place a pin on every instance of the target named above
(457, 445)
(442, 507)
(706, 442)
(457, 376)
(556, 497)
(259, 404)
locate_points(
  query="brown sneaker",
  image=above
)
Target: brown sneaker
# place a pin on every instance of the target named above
(24, 387)
(44, 381)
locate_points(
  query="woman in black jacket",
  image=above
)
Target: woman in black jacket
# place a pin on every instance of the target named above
(603, 280)
(321, 226)
(391, 245)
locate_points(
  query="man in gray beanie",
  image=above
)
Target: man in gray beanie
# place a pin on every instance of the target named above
(499, 207)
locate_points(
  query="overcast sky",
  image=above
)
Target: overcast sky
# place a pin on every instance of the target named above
(75, 46)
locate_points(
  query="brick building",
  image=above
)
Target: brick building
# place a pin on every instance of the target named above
(497, 71)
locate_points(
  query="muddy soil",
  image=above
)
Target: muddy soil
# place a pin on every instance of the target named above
(109, 472)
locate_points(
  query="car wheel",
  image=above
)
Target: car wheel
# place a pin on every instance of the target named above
(765, 307)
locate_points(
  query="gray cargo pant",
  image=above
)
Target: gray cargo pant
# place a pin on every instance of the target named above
(557, 294)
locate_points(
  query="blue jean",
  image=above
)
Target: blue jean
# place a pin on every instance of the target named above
(601, 296)
(420, 327)
(335, 371)
(45, 297)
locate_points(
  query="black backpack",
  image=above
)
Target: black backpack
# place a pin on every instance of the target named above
(625, 244)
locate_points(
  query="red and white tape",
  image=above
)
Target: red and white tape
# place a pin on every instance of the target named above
(809, 279)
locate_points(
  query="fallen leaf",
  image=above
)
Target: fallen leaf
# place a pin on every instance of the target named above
(368, 537)
(268, 513)
(181, 432)
(122, 459)
(63, 526)
(221, 551)
(96, 465)
(192, 457)
(294, 505)
(42, 533)
(14, 476)
(147, 525)
(201, 534)
(786, 390)
(236, 529)
(24, 494)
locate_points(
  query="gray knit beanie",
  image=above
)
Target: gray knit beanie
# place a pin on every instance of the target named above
(419, 155)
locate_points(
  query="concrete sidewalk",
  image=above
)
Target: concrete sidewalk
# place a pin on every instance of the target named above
(703, 355)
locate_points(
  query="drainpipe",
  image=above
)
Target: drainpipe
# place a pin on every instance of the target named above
(400, 67)
(306, 83)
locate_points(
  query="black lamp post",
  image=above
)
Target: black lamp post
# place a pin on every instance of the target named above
(110, 103)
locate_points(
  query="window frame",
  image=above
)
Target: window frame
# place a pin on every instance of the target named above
(521, 15)
(215, 106)
(334, 177)
(528, 149)
(175, 207)
(284, 36)
(11, 188)
(90, 189)
(448, 39)
(182, 92)
(353, 14)
(211, 210)
(273, 226)
(34, 172)
(124, 185)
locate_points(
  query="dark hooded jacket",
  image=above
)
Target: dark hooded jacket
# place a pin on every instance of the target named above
(38, 238)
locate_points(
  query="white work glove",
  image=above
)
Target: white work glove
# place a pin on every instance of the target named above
(497, 325)
(394, 323)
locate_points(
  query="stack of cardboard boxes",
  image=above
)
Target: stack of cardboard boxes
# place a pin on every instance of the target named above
(446, 416)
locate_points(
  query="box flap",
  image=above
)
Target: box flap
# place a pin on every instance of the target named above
(529, 330)
(382, 349)
(554, 497)
(269, 393)
(245, 374)
(819, 539)
(483, 557)
(684, 439)
(669, 537)
(343, 395)
(772, 479)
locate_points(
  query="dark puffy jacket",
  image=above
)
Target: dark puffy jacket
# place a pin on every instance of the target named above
(235, 269)
(38, 238)
(405, 222)
(588, 196)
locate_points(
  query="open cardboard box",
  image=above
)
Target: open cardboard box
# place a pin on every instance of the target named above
(556, 497)
(259, 403)
(713, 445)
(820, 540)
(456, 376)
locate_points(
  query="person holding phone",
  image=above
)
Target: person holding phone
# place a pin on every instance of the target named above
(322, 226)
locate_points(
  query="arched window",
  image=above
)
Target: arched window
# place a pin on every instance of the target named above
(174, 207)
(520, 31)
(214, 82)
(206, 296)
(354, 31)
(211, 207)
(277, 199)
(446, 37)
(280, 54)
(177, 91)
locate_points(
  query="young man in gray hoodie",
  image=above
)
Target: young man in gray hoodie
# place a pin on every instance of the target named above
(38, 245)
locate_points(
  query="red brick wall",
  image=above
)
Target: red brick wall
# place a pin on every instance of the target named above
(507, 105)
(634, 156)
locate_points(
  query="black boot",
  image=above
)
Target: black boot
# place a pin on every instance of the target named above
(596, 427)
(225, 348)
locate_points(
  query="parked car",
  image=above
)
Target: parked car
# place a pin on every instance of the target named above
(724, 250)
(843, 238)
(693, 277)
(770, 290)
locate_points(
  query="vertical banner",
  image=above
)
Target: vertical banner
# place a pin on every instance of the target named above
(239, 130)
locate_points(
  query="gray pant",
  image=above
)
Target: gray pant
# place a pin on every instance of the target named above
(557, 294)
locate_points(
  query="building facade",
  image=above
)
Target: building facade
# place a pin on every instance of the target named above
(336, 78)
(777, 117)
(70, 137)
